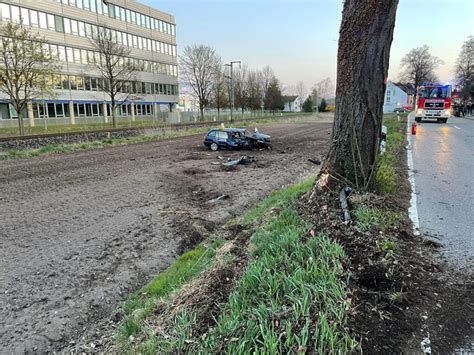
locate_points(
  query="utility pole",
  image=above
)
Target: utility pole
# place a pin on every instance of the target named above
(231, 65)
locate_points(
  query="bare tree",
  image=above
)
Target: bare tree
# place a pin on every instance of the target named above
(314, 98)
(365, 39)
(301, 91)
(419, 66)
(324, 88)
(240, 89)
(220, 92)
(115, 68)
(254, 90)
(465, 69)
(198, 66)
(24, 68)
(267, 77)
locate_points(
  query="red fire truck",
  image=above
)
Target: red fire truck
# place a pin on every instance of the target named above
(434, 102)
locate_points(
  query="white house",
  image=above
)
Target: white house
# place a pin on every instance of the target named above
(292, 104)
(397, 95)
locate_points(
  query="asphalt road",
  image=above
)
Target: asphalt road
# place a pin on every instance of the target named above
(443, 158)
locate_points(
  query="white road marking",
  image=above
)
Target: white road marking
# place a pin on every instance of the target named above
(413, 210)
(456, 127)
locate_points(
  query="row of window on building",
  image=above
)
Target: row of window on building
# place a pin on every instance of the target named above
(122, 14)
(87, 83)
(61, 24)
(61, 110)
(83, 56)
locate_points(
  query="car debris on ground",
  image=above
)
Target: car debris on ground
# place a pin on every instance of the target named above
(230, 164)
(217, 199)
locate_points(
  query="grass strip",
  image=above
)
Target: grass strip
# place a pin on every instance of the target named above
(386, 180)
(121, 123)
(99, 144)
(141, 303)
(277, 199)
(291, 298)
(152, 136)
(368, 218)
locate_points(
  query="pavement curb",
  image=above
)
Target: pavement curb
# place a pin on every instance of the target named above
(412, 210)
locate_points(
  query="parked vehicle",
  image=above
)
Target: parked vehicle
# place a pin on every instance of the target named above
(235, 138)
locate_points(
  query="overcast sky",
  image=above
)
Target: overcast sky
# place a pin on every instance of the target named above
(298, 38)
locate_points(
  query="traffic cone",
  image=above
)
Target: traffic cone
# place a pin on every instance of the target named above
(413, 129)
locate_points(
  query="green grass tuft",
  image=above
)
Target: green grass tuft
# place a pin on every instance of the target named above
(291, 286)
(277, 199)
(188, 265)
(386, 179)
(368, 218)
(129, 328)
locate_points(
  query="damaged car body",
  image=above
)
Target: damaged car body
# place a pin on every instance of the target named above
(236, 138)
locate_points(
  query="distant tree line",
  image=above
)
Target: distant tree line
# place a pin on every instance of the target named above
(204, 73)
(419, 66)
(465, 70)
(316, 100)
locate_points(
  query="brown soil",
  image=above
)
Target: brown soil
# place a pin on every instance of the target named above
(397, 299)
(80, 231)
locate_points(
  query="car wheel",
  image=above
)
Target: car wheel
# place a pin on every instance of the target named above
(214, 147)
(444, 120)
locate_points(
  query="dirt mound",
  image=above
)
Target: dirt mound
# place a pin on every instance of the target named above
(193, 231)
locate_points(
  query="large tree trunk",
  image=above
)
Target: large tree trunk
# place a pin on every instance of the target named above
(365, 38)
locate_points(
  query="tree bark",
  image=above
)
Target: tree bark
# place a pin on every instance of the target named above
(365, 39)
(21, 127)
(114, 111)
(202, 113)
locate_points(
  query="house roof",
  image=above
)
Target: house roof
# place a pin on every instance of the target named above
(408, 88)
(289, 98)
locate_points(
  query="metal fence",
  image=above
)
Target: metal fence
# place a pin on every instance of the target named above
(51, 125)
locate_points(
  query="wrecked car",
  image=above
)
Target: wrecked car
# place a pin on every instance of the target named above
(236, 138)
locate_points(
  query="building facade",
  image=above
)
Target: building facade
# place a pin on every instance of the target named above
(292, 104)
(68, 26)
(397, 96)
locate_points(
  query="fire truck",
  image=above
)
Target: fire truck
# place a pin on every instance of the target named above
(433, 101)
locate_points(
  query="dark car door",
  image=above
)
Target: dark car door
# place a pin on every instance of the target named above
(210, 138)
(221, 138)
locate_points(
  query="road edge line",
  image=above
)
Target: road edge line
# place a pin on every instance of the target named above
(412, 210)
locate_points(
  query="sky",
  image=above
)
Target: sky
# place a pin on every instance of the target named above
(298, 38)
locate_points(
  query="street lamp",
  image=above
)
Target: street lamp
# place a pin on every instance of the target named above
(231, 65)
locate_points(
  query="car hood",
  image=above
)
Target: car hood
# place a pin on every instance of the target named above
(261, 136)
